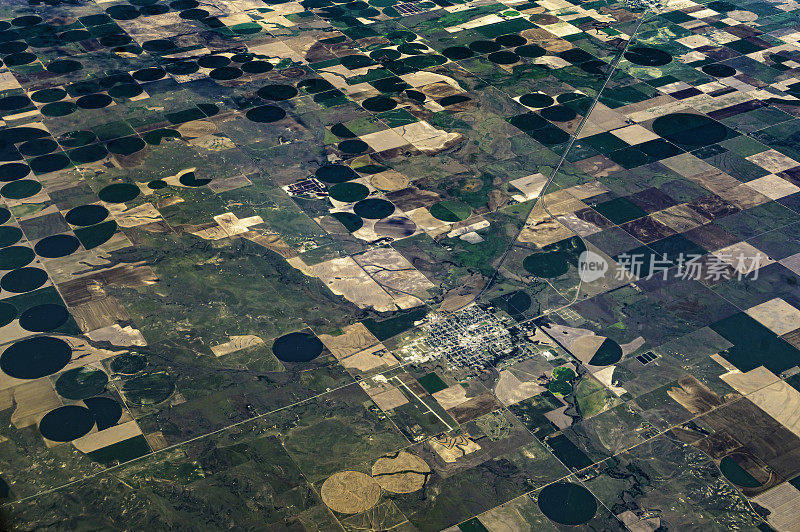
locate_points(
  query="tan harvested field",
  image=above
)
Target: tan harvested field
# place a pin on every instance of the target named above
(780, 401)
(104, 438)
(776, 315)
(451, 448)
(749, 382)
(89, 287)
(451, 397)
(510, 389)
(33, 400)
(389, 399)
(346, 278)
(391, 270)
(585, 347)
(99, 313)
(370, 359)
(141, 215)
(350, 492)
(509, 517)
(694, 396)
(197, 128)
(403, 473)
(237, 343)
(272, 242)
(783, 503)
(156, 440)
(354, 338)
(118, 335)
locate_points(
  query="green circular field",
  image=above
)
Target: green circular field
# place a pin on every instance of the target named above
(547, 265)
(563, 373)
(81, 383)
(374, 208)
(558, 387)
(567, 503)
(148, 389)
(129, 363)
(348, 192)
(450, 211)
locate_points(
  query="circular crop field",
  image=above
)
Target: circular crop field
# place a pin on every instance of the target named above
(49, 95)
(563, 373)
(608, 353)
(148, 389)
(646, 56)
(23, 280)
(129, 363)
(37, 147)
(277, 92)
(56, 246)
(536, 100)
(94, 101)
(348, 192)
(353, 146)
(558, 113)
(547, 265)
(689, 129)
(335, 173)
(34, 358)
(14, 171)
(374, 208)
(511, 39)
(518, 302)
(403, 473)
(567, 503)
(81, 383)
(456, 53)
(105, 411)
(389, 181)
(719, 70)
(7, 313)
(395, 227)
(297, 347)
(86, 215)
(119, 193)
(126, 146)
(484, 47)
(450, 211)
(66, 423)
(9, 235)
(24, 188)
(559, 387)
(528, 121)
(379, 104)
(503, 57)
(14, 257)
(49, 163)
(265, 114)
(42, 318)
(350, 492)
(257, 67)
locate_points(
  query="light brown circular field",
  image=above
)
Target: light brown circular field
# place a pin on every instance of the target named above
(350, 492)
(743, 16)
(389, 181)
(197, 128)
(401, 474)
